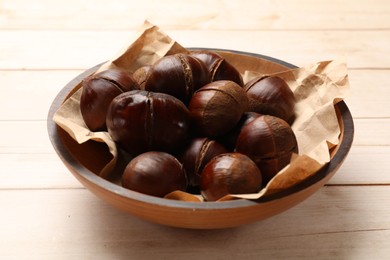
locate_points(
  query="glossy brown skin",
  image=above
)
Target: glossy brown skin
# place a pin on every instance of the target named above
(230, 173)
(219, 68)
(178, 75)
(197, 154)
(269, 141)
(98, 92)
(271, 96)
(141, 121)
(217, 107)
(154, 173)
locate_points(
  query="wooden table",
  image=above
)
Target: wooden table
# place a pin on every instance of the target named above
(47, 214)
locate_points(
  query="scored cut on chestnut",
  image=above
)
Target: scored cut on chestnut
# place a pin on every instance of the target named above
(229, 173)
(219, 67)
(141, 74)
(98, 90)
(141, 121)
(217, 107)
(270, 95)
(154, 173)
(197, 154)
(229, 139)
(270, 142)
(178, 75)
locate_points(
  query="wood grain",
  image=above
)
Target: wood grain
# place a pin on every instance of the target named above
(47, 214)
(84, 49)
(196, 15)
(73, 223)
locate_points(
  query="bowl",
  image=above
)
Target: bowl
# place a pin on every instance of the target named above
(196, 215)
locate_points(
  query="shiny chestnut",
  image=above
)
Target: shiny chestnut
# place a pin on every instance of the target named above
(197, 154)
(271, 96)
(229, 173)
(270, 142)
(141, 121)
(217, 107)
(154, 173)
(219, 67)
(178, 75)
(98, 91)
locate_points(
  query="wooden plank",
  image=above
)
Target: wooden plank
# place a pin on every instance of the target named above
(27, 95)
(84, 49)
(195, 14)
(369, 92)
(364, 165)
(367, 98)
(372, 131)
(24, 137)
(35, 171)
(336, 223)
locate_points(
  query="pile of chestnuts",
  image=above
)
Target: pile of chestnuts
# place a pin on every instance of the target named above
(191, 124)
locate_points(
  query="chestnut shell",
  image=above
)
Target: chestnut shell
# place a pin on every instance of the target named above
(154, 173)
(229, 173)
(98, 91)
(141, 121)
(217, 107)
(178, 75)
(219, 67)
(269, 141)
(271, 96)
(197, 154)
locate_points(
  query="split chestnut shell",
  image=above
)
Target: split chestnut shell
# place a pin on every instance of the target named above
(141, 121)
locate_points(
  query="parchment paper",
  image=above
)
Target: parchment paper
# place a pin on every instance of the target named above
(316, 87)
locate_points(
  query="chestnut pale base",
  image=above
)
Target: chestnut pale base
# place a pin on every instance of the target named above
(84, 161)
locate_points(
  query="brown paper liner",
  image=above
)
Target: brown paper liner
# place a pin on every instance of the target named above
(316, 87)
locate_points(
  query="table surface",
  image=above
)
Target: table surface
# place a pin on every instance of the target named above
(47, 214)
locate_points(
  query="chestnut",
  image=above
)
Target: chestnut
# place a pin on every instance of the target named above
(217, 107)
(141, 74)
(229, 173)
(154, 173)
(98, 91)
(271, 95)
(141, 121)
(197, 154)
(229, 139)
(219, 67)
(178, 75)
(269, 141)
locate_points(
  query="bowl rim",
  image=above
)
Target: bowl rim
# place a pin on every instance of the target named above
(69, 160)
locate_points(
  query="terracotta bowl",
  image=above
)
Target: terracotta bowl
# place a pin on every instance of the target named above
(205, 215)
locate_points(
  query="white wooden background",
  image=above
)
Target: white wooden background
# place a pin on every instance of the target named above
(47, 214)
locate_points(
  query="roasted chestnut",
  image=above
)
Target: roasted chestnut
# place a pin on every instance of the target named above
(229, 173)
(98, 91)
(271, 96)
(219, 67)
(217, 107)
(141, 121)
(178, 75)
(269, 141)
(229, 139)
(140, 76)
(197, 154)
(154, 173)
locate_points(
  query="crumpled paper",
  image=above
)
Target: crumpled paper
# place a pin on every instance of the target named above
(317, 87)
